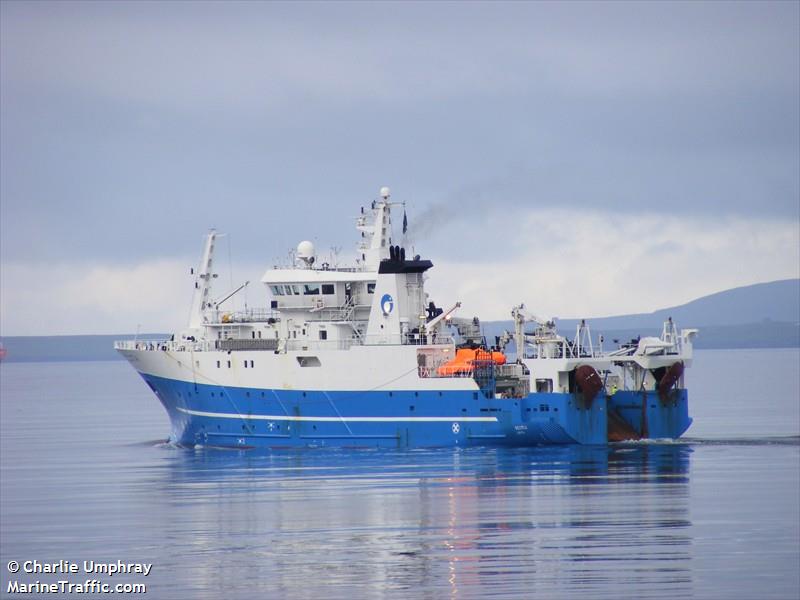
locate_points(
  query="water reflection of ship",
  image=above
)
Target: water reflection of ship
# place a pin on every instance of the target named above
(486, 467)
(589, 511)
(551, 521)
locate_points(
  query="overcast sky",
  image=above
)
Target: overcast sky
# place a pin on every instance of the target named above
(587, 159)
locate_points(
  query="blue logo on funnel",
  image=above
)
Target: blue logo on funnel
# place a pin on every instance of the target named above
(387, 304)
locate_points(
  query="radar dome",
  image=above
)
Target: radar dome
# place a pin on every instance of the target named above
(305, 250)
(385, 193)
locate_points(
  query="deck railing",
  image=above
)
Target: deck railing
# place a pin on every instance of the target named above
(272, 344)
(166, 345)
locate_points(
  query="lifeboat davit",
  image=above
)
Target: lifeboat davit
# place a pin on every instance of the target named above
(669, 379)
(588, 381)
(464, 361)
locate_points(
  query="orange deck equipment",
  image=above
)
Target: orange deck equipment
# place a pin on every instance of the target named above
(464, 361)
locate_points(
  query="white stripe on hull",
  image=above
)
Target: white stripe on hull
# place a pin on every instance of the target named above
(460, 419)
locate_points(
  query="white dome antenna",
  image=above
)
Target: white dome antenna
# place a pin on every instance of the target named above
(305, 252)
(385, 193)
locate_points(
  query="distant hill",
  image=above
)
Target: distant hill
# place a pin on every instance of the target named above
(765, 315)
(767, 334)
(774, 301)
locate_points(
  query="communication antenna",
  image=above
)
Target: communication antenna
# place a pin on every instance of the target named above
(335, 255)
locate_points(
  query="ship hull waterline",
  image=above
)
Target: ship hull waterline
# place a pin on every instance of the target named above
(241, 417)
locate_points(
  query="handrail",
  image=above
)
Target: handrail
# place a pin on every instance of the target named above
(292, 345)
(166, 345)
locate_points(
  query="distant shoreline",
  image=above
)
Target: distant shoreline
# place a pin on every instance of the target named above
(84, 348)
(763, 315)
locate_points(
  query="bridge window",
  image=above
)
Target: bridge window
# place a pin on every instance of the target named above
(311, 289)
(277, 290)
(327, 289)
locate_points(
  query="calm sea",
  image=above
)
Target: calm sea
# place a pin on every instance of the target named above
(717, 515)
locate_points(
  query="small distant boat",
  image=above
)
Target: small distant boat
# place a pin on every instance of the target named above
(360, 355)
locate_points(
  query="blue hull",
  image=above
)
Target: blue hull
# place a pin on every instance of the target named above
(242, 417)
(649, 416)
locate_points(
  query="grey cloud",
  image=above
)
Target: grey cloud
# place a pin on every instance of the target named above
(263, 56)
(127, 128)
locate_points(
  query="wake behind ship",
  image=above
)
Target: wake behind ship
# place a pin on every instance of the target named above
(361, 356)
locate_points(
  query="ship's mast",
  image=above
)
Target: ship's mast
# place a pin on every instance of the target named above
(202, 283)
(378, 234)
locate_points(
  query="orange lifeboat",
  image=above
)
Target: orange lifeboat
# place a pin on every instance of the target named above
(464, 361)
